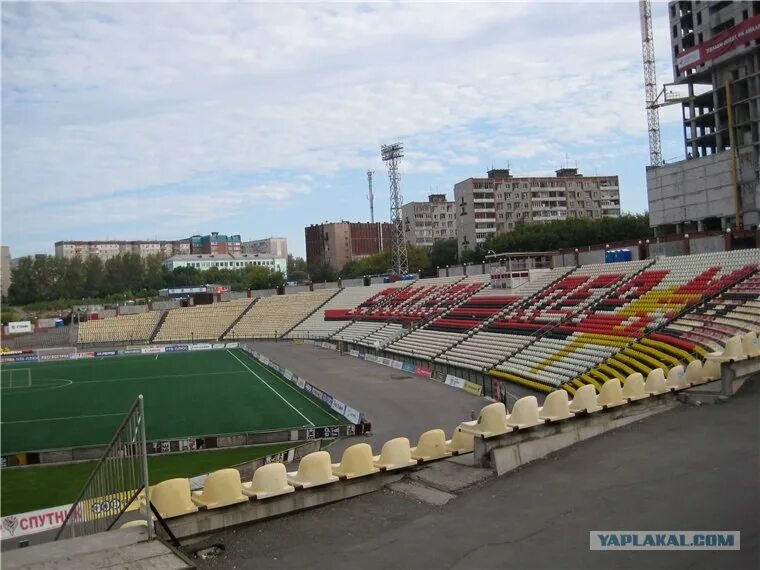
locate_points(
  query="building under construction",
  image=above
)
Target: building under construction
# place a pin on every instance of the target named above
(716, 60)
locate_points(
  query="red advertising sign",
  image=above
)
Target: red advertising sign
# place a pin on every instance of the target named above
(723, 43)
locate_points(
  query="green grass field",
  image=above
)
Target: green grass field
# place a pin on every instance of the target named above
(65, 404)
(30, 488)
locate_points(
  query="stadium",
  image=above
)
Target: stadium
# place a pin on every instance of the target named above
(619, 341)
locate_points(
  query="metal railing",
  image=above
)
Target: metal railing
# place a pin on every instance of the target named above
(117, 480)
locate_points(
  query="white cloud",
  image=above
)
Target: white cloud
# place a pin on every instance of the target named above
(102, 99)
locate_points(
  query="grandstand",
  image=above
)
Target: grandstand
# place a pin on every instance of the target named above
(126, 328)
(273, 316)
(316, 326)
(203, 322)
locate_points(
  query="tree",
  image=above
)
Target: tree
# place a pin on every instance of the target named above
(296, 264)
(444, 252)
(323, 272)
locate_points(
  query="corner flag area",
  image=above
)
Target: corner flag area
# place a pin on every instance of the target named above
(62, 405)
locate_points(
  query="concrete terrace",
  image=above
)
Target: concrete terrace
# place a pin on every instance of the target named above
(693, 468)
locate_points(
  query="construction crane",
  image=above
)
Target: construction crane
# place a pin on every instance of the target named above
(650, 83)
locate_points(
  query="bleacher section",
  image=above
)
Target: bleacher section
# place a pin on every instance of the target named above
(203, 322)
(419, 301)
(274, 316)
(125, 328)
(317, 327)
(451, 328)
(387, 333)
(599, 342)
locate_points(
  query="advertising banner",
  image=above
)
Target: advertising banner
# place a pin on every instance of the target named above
(218, 345)
(397, 364)
(131, 351)
(352, 415)
(54, 356)
(6, 359)
(152, 349)
(422, 371)
(338, 406)
(455, 381)
(177, 348)
(19, 327)
(472, 388)
(307, 387)
(34, 521)
(232, 345)
(409, 367)
(326, 398)
(201, 346)
(301, 383)
(725, 42)
(27, 358)
(105, 353)
(317, 393)
(354, 353)
(288, 375)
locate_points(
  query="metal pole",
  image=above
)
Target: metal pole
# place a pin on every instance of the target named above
(734, 168)
(146, 480)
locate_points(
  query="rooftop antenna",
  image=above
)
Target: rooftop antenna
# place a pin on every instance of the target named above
(371, 197)
(391, 153)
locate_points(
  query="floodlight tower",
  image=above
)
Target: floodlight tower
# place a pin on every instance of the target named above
(371, 197)
(391, 153)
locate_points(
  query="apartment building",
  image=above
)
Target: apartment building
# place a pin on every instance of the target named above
(495, 204)
(216, 243)
(427, 222)
(338, 243)
(715, 48)
(106, 249)
(275, 246)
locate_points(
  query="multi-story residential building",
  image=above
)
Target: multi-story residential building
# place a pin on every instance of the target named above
(340, 242)
(494, 205)
(5, 268)
(228, 261)
(716, 61)
(275, 246)
(216, 243)
(427, 222)
(105, 249)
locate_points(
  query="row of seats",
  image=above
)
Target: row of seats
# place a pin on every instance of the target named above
(223, 488)
(316, 326)
(387, 333)
(202, 322)
(483, 350)
(425, 343)
(126, 328)
(273, 316)
(356, 331)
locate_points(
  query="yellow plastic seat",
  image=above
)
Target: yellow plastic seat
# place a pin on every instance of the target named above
(655, 383)
(633, 389)
(732, 352)
(431, 445)
(524, 413)
(171, 498)
(356, 462)
(585, 400)
(751, 344)
(268, 481)
(556, 407)
(395, 454)
(711, 369)
(460, 443)
(611, 395)
(491, 422)
(694, 373)
(676, 378)
(222, 488)
(313, 470)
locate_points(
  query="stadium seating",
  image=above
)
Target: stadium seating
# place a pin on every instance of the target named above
(491, 422)
(316, 326)
(483, 350)
(388, 332)
(202, 322)
(268, 481)
(357, 331)
(273, 316)
(126, 328)
(395, 454)
(313, 470)
(171, 498)
(524, 414)
(222, 488)
(357, 461)
(430, 446)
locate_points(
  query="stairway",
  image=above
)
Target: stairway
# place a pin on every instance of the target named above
(237, 319)
(159, 324)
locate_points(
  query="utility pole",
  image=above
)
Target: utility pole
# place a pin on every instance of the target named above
(371, 197)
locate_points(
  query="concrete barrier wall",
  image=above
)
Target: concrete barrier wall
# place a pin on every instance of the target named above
(358, 282)
(666, 249)
(328, 285)
(164, 305)
(707, 244)
(589, 257)
(133, 309)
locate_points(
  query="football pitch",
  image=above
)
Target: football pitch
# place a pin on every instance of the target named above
(65, 404)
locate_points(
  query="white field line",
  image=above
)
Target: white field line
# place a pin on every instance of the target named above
(272, 389)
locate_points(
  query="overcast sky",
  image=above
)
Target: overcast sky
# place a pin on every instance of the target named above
(158, 121)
